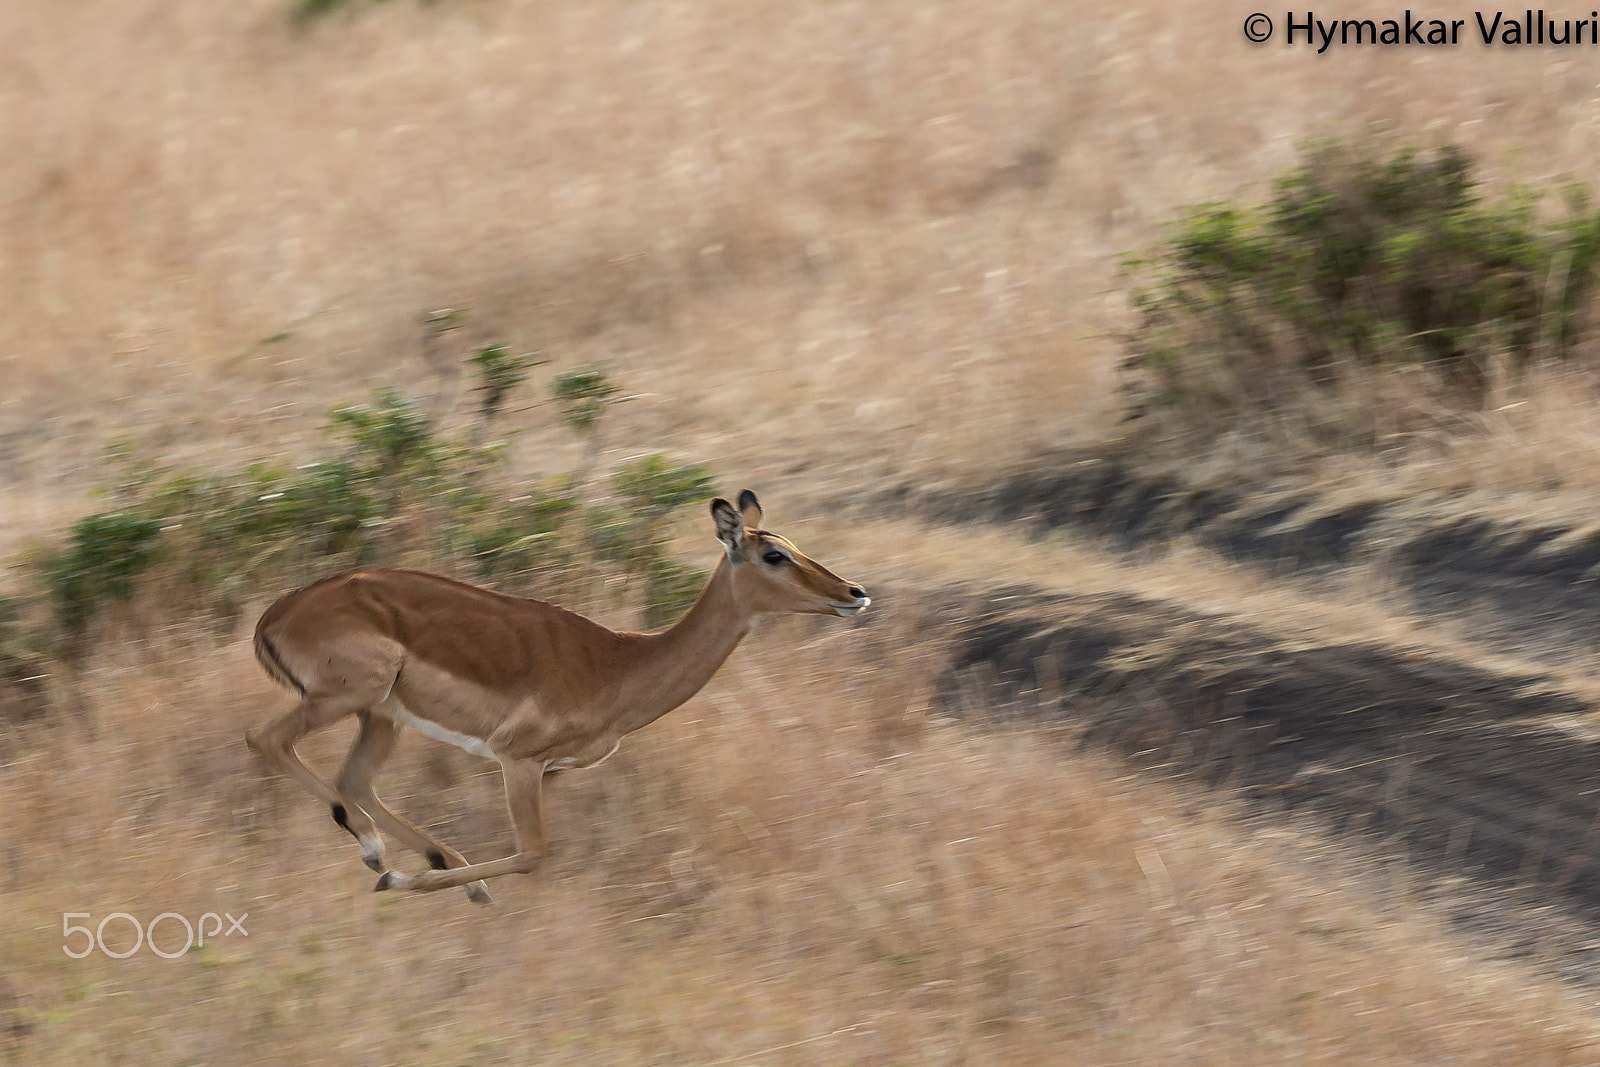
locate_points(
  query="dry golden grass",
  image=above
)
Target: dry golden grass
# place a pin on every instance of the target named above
(844, 239)
(798, 867)
(833, 245)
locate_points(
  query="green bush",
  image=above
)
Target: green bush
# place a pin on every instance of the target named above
(102, 556)
(220, 536)
(583, 395)
(670, 590)
(394, 486)
(388, 435)
(525, 536)
(499, 372)
(1360, 259)
(234, 528)
(656, 486)
(305, 10)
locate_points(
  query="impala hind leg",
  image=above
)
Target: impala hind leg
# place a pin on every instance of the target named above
(523, 781)
(275, 743)
(374, 743)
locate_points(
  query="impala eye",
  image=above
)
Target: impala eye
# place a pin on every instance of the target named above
(773, 557)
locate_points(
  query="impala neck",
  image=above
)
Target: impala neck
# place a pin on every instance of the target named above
(678, 662)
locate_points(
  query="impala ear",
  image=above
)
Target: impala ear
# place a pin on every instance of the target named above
(730, 526)
(750, 508)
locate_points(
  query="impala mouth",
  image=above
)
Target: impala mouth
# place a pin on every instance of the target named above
(855, 607)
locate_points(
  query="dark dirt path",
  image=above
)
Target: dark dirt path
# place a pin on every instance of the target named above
(1470, 773)
(1532, 590)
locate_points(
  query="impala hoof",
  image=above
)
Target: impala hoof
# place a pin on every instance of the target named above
(478, 893)
(371, 851)
(390, 880)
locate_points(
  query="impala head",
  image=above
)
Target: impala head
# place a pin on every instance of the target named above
(771, 575)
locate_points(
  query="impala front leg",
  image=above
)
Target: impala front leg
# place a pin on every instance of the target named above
(523, 780)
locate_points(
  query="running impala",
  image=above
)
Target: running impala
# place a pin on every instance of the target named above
(533, 686)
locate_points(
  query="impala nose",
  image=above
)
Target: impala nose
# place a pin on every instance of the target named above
(858, 592)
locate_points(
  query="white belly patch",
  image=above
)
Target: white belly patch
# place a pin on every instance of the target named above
(391, 708)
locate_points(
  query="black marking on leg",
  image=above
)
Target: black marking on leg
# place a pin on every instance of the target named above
(342, 817)
(436, 860)
(272, 663)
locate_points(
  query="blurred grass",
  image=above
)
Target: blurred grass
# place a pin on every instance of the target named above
(836, 247)
(799, 865)
(881, 240)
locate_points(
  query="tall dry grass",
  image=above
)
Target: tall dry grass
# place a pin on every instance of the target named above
(798, 867)
(842, 240)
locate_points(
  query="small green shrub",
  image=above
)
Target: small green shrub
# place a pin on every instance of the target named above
(388, 435)
(395, 455)
(583, 395)
(306, 10)
(525, 536)
(636, 543)
(656, 486)
(102, 556)
(652, 488)
(622, 538)
(670, 590)
(234, 528)
(499, 372)
(221, 536)
(1359, 259)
